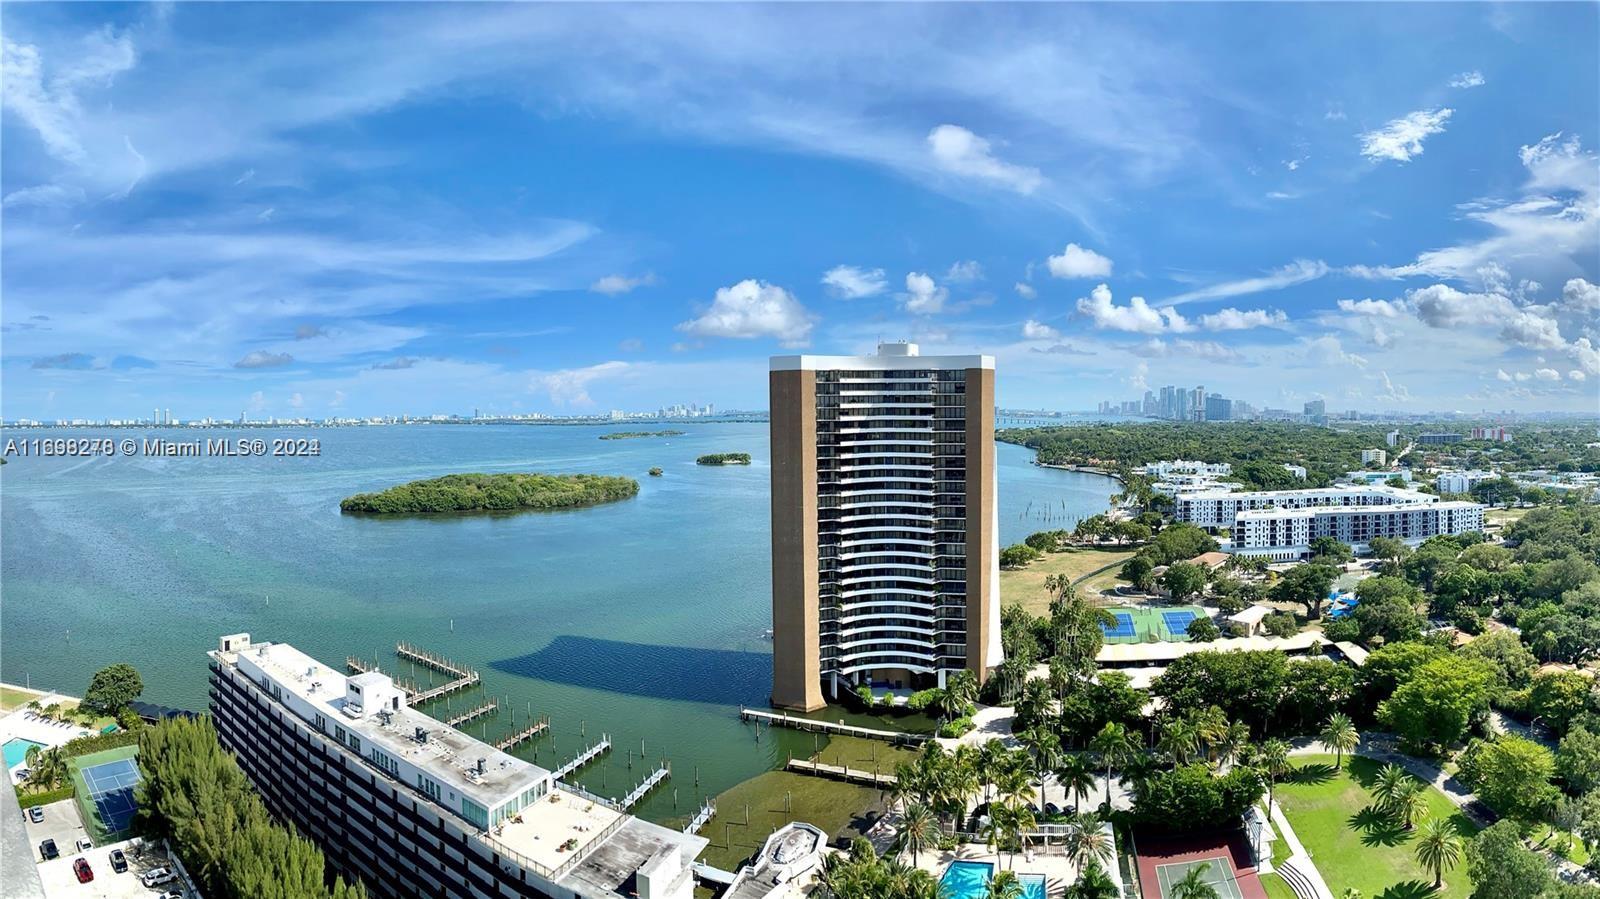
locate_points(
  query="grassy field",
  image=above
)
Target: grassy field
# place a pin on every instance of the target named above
(773, 800)
(1350, 844)
(1274, 884)
(859, 752)
(1025, 586)
(16, 697)
(1503, 517)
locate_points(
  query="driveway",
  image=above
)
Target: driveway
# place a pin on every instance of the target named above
(61, 823)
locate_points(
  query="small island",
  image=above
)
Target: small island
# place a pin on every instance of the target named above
(655, 472)
(723, 459)
(633, 435)
(510, 492)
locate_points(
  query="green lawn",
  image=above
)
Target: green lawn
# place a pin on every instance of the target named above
(1025, 586)
(1350, 844)
(1274, 884)
(16, 697)
(774, 799)
(868, 755)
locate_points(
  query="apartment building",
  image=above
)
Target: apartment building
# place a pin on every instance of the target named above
(1460, 481)
(1218, 509)
(1284, 535)
(414, 808)
(1168, 468)
(1379, 456)
(885, 547)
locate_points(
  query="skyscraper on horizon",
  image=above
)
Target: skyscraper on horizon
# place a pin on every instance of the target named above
(885, 544)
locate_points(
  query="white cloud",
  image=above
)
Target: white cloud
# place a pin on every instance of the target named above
(1502, 375)
(570, 387)
(613, 285)
(922, 295)
(49, 103)
(960, 152)
(964, 272)
(1206, 350)
(45, 195)
(1033, 330)
(1282, 195)
(852, 283)
(753, 308)
(263, 359)
(1239, 320)
(1138, 316)
(1393, 392)
(1295, 164)
(1298, 272)
(1547, 374)
(1078, 262)
(1328, 351)
(1576, 375)
(1374, 308)
(1401, 139)
(296, 401)
(1473, 78)
(1025, 290)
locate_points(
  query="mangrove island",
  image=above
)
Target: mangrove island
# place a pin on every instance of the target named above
(723, 459)
(632, 435)
(510, 492)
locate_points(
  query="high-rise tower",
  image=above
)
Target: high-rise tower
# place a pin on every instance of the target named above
(885, 549)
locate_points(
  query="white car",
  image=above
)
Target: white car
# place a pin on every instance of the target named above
(170, 894)
(84, 844)
(157, 876)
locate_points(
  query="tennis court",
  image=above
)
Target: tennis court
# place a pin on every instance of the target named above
(1139, 624)
(1218, 875)
(105, 782)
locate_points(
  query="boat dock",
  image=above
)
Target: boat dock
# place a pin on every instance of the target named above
(584, 758)
(474, 714)
(707, 811)
(844, 773)
(780, 719)
(645, 786)
(523, 736)
(432, 660)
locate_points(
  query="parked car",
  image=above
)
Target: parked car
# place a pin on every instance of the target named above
(82, 869)
(170, 894)
(85, 844)
(158, 876)
(119, 862)
(48, 850)
(36, 814)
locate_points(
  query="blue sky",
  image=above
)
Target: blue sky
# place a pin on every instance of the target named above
(353, 209)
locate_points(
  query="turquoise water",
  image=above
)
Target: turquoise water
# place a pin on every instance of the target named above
(644, 619)
(1033, 886)
(966, 880)
(16, 751)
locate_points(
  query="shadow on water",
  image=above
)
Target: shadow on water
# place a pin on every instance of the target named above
(722, 676)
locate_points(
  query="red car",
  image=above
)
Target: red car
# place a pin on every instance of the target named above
(82, 869)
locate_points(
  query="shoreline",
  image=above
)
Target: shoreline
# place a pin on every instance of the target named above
(1084, 469)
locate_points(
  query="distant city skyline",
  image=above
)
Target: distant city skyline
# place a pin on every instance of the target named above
(568, 208)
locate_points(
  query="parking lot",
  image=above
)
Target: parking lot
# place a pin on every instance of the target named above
(60, 881)
(61, 823)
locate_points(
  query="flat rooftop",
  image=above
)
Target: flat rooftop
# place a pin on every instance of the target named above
(1357, 489)
(448, 755)
(541, 831)
(1314, 511)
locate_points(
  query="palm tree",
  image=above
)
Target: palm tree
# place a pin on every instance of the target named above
(1273, 760)
(1410, 803)
(1076, 776)
(1390, 784)
(962, 688)
(1193, 886)
(1179, 739)
(1044, 754)
(1088, 841)
(1114, 745)
(1093, 883)
(1014, 787)
(1020, 821)
(919, 826)
(1232, 743)
(47, 768)
(1004, 885)
(1341, 736)
(1439, 848)
(988, 761)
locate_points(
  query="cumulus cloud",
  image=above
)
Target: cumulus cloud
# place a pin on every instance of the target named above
(1078, 262)
(1473, 78)
(1391, 391)
(753, 308)
(570, 387)
(852, 283)
(964, 272)
(1025, 290)
(264, 359)
(1547, 374)
(1033, 330)
(1374, 308)
(1502, 375)
(1138, 316)
(1576, 375)
(960, 152)
(1062, 349)
(1401, 139)
(922, 295)
(613, 285)
(1240, 320)
(1328, 351)
(1207, 350)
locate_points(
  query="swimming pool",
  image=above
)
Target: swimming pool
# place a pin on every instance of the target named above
(16, 751)
(966, 880)
(1032, 886)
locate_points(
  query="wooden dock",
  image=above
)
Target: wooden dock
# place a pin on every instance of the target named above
(432, 660)
(584, 758)
(844, 773)
(780, 719)
(645, 786)
(707, 811)
(523, 736)
(473, 714)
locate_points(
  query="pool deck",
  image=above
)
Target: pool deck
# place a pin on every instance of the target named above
(22, 724)
(1059, 872)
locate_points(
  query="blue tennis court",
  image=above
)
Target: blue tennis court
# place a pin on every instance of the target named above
(1124, 626)
(111, 789)
(1177, 622)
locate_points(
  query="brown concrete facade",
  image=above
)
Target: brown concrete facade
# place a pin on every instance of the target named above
(796, 640)
(981, 524)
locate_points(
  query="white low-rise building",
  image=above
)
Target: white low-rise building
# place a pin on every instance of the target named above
(1460, 481)
(1217, 509)
(1368, 456)
(1298, 471)
(1171, 467)
(1284, 535)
